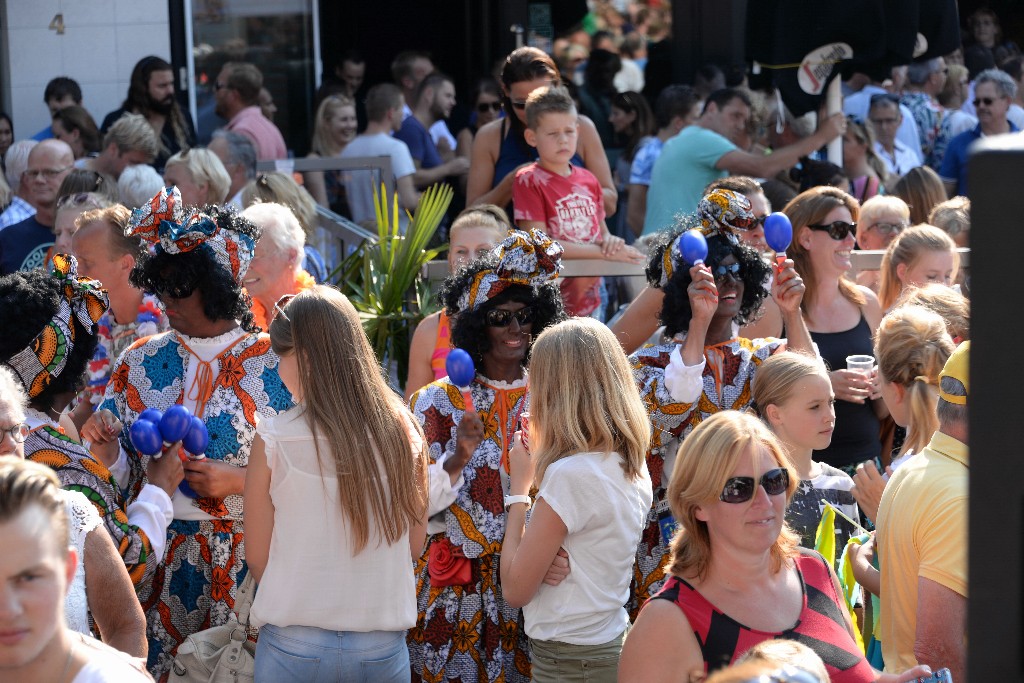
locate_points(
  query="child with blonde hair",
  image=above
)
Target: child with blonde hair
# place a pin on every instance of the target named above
(920, 255)
(794, 397)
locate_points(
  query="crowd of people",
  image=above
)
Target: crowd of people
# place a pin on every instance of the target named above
(756, 464)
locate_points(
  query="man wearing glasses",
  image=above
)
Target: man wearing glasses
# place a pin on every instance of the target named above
(993, 92)
(23, 245)
(886, 116)
(857, 105)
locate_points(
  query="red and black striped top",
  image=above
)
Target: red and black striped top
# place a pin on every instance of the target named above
(821, 625)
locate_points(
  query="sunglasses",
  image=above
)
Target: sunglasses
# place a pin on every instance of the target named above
(518, 105)
(732, 270)
(176, 291)
(741, 489)
(837, 230)
(987, 101)
(500, 317)
(280, 306)
(18, 432)
(485, 107)
(884, 97)
(888, 228)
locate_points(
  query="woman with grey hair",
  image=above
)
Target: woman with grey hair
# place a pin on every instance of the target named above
(276, 270)
(138, 184)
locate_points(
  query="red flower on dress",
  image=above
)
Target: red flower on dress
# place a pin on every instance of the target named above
(437, 427)
(220, 584)
(486, 490)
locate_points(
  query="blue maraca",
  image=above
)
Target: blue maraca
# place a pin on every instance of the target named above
(151, 414)
(175, 423)
(461, 372)
(197, 438)
(778, 233)
(145, 437)
(692, 247)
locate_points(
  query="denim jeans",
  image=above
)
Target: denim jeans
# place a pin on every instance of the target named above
(305, 654)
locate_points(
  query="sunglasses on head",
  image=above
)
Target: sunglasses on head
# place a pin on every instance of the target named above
(837, 230)
(733, 270)
(884, 97)
(741, 489)
(484, 107)
(500, 317)
(987, 101)
(280, 306)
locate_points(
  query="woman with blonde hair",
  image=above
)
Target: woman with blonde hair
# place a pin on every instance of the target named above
(954, 217)
(841, 317)
(474, 232)
(199, 175)
(350, 455)
(281, 188)
(738, 575)
(793, 395)
(335, 127)
(588, 443)
(866, 171)
(882, 218)
(922, 189)
(921, 255)
(952, 306)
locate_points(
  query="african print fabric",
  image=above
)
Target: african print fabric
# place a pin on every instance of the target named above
(195, 586)
(728, 378)
(469, 633)
(79, 471)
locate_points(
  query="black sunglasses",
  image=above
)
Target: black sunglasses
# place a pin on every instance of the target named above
(837, 230)
(485, 107)
(732, 269)
(179, 291)
(501, 317)
(518, 105)
(741, 489)
(987, 101)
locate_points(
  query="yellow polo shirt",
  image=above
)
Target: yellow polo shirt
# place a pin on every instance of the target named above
(922, 532)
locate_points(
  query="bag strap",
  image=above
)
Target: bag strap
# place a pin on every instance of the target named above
(244, 597)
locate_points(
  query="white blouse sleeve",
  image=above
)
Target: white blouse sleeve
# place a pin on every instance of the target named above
(684, 382)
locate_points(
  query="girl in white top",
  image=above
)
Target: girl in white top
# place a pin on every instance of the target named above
(335, 505)
(588, 435)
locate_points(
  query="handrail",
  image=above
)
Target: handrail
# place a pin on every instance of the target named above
(381, 163)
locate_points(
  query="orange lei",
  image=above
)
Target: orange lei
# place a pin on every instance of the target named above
(303, 281)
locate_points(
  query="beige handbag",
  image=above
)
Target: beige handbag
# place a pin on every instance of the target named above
(222, 654)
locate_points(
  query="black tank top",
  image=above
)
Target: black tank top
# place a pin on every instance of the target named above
(856, 437)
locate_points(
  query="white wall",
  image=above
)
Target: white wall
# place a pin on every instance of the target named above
(102, 41)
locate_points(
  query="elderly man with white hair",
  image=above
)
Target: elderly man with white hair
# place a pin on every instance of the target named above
(276, 270)
(16, 161)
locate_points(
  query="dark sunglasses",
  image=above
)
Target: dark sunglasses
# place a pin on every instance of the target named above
(518, 105)
(280, 306)
(987, 101)
(884, 97)
(500, 317)
(741, 489)
(485, 107)
(179, 291)
(837, 230)
(732, 269)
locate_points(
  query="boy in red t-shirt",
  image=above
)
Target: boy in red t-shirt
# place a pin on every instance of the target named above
(564, 200)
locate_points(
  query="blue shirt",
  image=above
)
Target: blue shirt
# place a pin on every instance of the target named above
(954, 164)
(23, 246)
(643, 161)
(421, 145)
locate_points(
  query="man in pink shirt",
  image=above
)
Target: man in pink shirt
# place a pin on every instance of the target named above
(237, 91)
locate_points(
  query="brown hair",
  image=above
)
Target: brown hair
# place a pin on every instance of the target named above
(952, 306)
(24, 483)
(922, 190)
(116, 219)
(550, 100)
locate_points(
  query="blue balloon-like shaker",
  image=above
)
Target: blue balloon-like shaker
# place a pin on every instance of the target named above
(175, 423)
(459, 365)
(778, 232)
(197, 438)
(151, 414)
(693, 247)
(145, 436)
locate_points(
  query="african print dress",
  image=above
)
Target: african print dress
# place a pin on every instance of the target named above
(78, 470)
(469, 633)
(728, 378)
(194, 588)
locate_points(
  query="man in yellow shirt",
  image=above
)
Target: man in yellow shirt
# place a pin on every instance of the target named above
(922, 541)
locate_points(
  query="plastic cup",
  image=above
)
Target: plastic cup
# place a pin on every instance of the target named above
(861, 363)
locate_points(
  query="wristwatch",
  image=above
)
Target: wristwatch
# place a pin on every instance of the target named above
(511, 500)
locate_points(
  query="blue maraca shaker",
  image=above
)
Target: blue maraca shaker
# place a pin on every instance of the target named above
(778, 233)
(195, 442)
(461, 372)
(693, 247)
(145, 437)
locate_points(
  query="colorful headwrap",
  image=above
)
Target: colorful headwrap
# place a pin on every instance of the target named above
(46, 355)
(164, 224)
(720, 212)
(524, 258)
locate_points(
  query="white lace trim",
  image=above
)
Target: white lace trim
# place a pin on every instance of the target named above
(498, 384)
(82, 519)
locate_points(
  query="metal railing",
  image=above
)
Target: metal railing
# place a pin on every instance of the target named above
(380, 164)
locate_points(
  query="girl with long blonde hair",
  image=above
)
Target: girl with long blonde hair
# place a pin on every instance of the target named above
(921, 255)
(588, 440)
(351, 457)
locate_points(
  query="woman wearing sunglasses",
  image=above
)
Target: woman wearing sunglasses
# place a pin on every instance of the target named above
(705, 367)
(842, 317)
(486, 101)
(500, 147)
(497, 304)
(738, 576)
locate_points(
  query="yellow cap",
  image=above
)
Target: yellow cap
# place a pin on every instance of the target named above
(956, 367)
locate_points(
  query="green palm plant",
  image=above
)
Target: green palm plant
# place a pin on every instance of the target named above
(382, 278)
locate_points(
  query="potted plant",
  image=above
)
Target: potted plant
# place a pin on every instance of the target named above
(382, 277)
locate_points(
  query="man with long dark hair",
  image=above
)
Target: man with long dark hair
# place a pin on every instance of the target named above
(151, 93)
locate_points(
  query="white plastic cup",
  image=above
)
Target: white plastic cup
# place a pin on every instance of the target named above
(860, 363)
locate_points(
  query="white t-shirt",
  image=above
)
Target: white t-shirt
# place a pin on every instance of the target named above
(107, 665)
(605, 514)
(359, 184)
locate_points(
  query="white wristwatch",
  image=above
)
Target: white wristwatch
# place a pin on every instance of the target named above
(510, 500)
